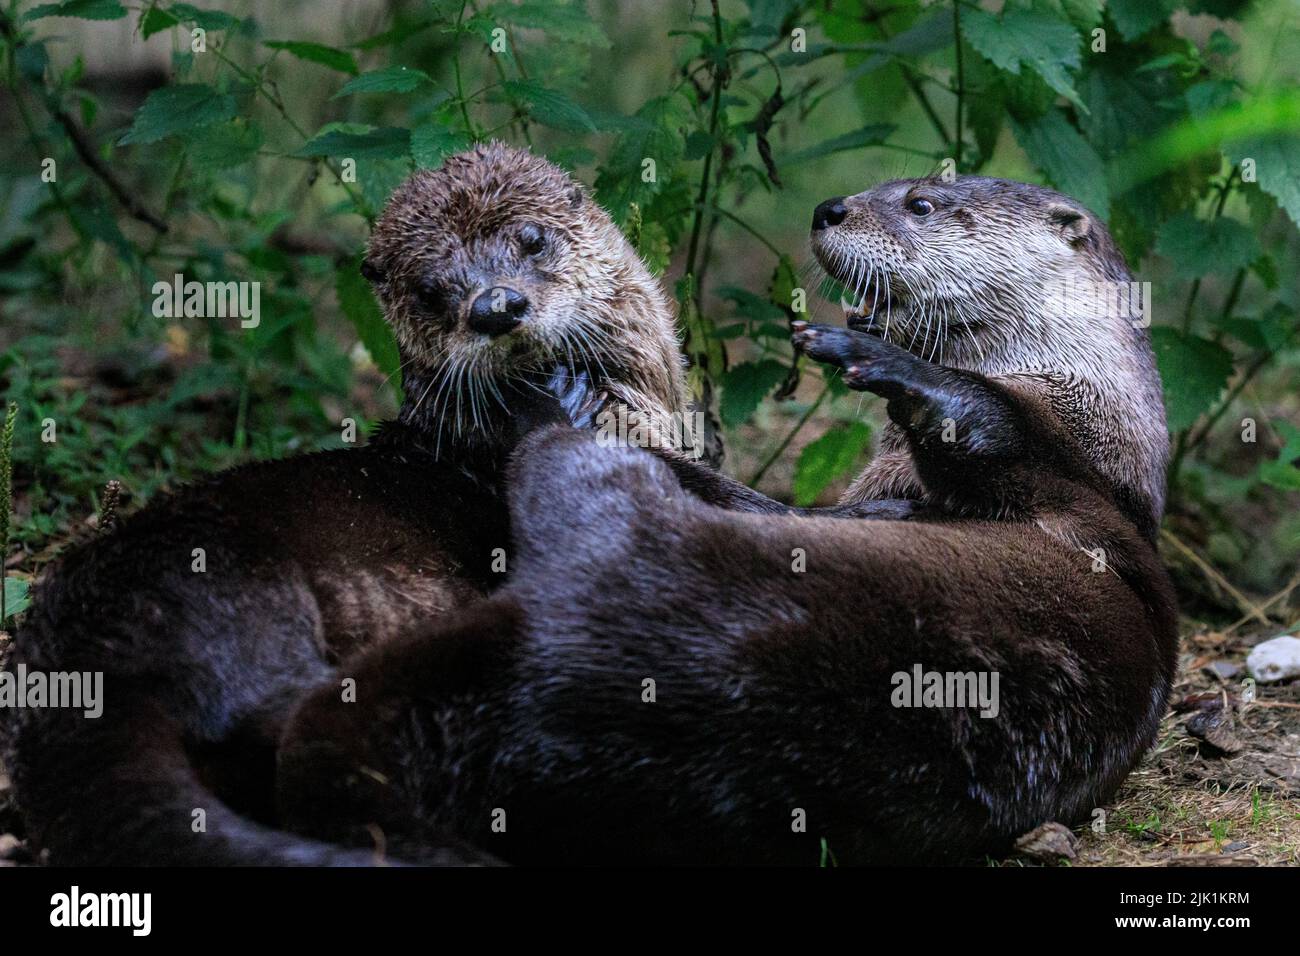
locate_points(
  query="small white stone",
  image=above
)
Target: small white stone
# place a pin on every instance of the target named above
(1275, 660)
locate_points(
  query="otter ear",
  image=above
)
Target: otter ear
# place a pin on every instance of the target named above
(1071, 224)
(575, 197)
(371, 271)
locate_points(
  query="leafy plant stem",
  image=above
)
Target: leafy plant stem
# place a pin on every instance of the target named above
(701, 202)
(789, 436)
(961, 85)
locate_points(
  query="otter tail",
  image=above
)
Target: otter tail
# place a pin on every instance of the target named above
(122, 790)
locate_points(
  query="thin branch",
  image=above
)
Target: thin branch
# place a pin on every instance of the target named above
(86, 150)
(1243, 603)
(701, 201)
(789, 437)
(961, 83)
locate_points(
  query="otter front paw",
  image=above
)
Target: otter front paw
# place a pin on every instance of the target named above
(576, 396)
(870, 363)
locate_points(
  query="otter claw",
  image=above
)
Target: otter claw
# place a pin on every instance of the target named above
(574, 392)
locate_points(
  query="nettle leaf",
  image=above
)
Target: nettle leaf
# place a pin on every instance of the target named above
(1277, 168)
(224, 145)
(1209, 96)
(569, 22)
(1036, 39)
(1135, 18)
(872, 135)
(549, 107)
(17, 596)
(831, 456)
(745, 386)
(81, 9)
(332, 57)
(1084, 14)
(625, 178)
(394, 79)
(785, 279)
(207, 19)
(156, 20)
(751, 307)
(1284, 471)
(358, 303)
(173, 109)
(1068, 160)
(356, 140)
(1194, 372)
(431, 144)
(1197, 246)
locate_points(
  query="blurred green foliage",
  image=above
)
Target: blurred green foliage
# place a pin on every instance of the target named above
(274, 141)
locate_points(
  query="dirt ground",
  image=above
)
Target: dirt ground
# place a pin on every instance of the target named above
(1222, 785)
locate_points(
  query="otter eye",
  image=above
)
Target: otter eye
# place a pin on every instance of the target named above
(532, 240)
(429, 294)
(920, 207)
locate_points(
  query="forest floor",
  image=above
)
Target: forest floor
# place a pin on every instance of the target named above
(1222, 785)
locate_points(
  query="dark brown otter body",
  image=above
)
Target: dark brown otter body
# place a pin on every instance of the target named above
(526, 725)
(308, 559)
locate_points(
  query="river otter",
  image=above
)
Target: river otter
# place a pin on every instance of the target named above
(1021, 284)
(667, 680)
(210, 610)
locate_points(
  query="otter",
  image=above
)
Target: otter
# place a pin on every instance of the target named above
(212, 609)
(672, 677)
(1021, 284)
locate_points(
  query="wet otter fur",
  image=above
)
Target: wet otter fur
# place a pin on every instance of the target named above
(667, 679)
(1021, 284)
(306, 560)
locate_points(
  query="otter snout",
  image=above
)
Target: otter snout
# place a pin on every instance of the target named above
(829, 213)
(497, 310)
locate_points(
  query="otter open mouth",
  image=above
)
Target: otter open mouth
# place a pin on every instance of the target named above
(867, 299)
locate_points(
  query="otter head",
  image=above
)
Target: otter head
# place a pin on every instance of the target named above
(965, 270)
(498, 267)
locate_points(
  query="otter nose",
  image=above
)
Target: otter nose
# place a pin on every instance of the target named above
(497, 311)
(829, 213)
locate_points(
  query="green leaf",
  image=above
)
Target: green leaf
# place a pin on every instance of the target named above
(1277, 168)
(431, 144)
(224, 145)
(751, 307)
(81, 9)
(1067, 159)
(625, 179)
(1198, 246)
(872, 135)
(400, 31)
(17, 596)
(831, 456)
(745, 386)
(1135, 18)
(1194, 372)
(1284, 471)
(356, 141)
(156, 20)
(1084, 14)
(1046, 44)
(785, 279)
(358, 303)
(207, 19)
(394, 79)
(549, 107)
(173, 109)
(571, 23)
(332, 57)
